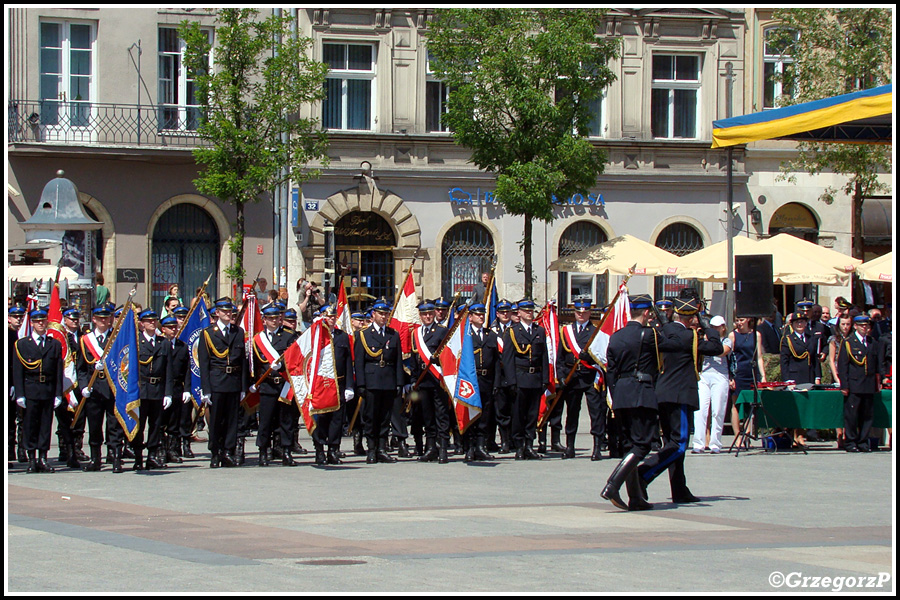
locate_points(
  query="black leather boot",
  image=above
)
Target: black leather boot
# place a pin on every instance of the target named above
(32, 462)
(431, 452)
(117, 460)
(542, 443)
(79, 452)
(186, 451)
(420, 445)
(296, 447)
(334, 456)
(555, 444)
(138, 460)
(570, 447)
(636, 499)
(597, 454)
(504, 442)
(321, 458)
(173, 454)
(287, 459)
(481, 452)
(63, 450)
(95, 463)
(358, 448)
(153, 459)
(43, 463)
(617, 478)
(263, 460)
(442, 453)
(239, 457)
(382, 454)
(371, 455)
(215, 460)
(72, 461)
(403, 450)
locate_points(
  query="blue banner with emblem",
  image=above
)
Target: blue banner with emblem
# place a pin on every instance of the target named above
(123, 371)
(197, 321)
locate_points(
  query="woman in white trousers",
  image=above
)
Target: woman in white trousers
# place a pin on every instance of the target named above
(713, 388)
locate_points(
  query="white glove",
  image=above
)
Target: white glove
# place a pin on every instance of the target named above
(253, 389)
(204, 399)
(57, 401)
(85, 392)
(243, 394)
(186, 397)
(98, 366)
(348, 395)
(276, 366)
(21, 402)
(167, 402)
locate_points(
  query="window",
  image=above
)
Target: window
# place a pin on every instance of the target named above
(349, 89)
(777, 66)
(66, 73)
(467, 252)
(675, 96)
(436, 95)
(680, 239)
(577, 237)
(595, 107)
(178, 109)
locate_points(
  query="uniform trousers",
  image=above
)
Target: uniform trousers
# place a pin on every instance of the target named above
(170, 421)
(223, 421)
(859, 412)
(149, 420)
(572, 401)
(713, 389)
(638, 427)
(435, 414)
(64, 430)
(675, 420)
(487, 422)
(96, 407)
(328, 429)
(525, 412)
(38, 423)
(377, 407)
(399, 419)
(274, 417)
(503, 401)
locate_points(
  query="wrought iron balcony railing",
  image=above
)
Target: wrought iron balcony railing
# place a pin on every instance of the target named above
(58, 122)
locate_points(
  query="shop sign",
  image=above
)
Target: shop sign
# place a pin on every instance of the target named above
(461, 196)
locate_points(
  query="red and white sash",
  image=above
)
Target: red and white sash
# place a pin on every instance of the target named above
(569, 335)
(425, 354)
(90, 341)
(267, 351)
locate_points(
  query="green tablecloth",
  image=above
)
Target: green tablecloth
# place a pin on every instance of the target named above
(821, 409)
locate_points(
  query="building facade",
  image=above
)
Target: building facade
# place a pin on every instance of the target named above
(101, 94)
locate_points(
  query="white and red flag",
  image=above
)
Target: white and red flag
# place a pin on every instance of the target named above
(616, 320)
(459, 377)
(310, 365)
(343, 313)
(550, 322)
(406, 314)
(56, 329)
(251, 322)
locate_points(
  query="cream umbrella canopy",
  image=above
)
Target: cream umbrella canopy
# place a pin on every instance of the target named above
(617, 256)
(878, 269)
(794, 246)
(788, 268)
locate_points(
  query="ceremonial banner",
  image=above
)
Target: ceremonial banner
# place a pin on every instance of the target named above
(343, 313)
(490, 303)
(459, 377)
(613, 322)
(550, 322)
(30, 304)
(197, 321)
(56, 329)
(406, 313)
(251, 323)
(123, 373)
(310, 365)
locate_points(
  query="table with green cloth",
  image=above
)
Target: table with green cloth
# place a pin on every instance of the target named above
(814, 409)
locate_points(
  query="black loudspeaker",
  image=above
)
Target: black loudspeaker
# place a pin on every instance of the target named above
(754, 288)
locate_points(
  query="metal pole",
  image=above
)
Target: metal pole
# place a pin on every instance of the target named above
(276, 199)
(729, 217)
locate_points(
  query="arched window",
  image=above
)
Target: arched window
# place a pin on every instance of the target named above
(364, 243)
(185, 251)
(466, 252)
(576, 237)
(679, 239)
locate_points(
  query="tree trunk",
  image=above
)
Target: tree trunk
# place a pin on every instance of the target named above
(856, 223)
(526, 249)
(239, 254)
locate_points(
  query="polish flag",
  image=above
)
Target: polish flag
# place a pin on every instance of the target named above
(406, 314)
(611, 324)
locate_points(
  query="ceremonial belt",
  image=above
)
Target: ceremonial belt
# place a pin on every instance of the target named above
(267, 353)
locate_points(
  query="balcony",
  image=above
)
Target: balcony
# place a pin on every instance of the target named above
(88, 123)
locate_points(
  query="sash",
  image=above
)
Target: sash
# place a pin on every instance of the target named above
(264, 349)
(425, 354)
(571, 344)
(499, 332)
(90, 342)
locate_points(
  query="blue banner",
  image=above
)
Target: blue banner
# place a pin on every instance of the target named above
(190, 335)
(491, 308)
(123, 373)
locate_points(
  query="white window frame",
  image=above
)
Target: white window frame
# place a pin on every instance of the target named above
(430, 77)
(348, 74)
(180, 84)
(67, 108)
(780, 61)
(678, 84)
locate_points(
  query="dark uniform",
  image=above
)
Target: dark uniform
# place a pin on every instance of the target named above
(678, 396)
(101, 401)
(433, 399)
(632, 367)
(15, 431)
(488, 369)
(378, 368)
(70, 436)
(525, 368)
(329, 425)
(273, 414)
(153, 355)
(177, 418)
(224, 376)
(505, 394)
(38, 378)
(799, 355)
(860, 374)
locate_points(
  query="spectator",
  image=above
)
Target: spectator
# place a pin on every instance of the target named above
(173, 293)
(874, 321)
(771, 335)
(713, 390)
(270, 299)
(480, 288)
(169, 305)
(103, 296)
(844, 329)
(310, 302)
(747, 345)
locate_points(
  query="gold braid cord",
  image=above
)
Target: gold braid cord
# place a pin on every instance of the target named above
(794, 352)
(697, 364)
(30, 365)
(853, 358)
(519, 350)
(660, 364)
(212, 348)
(86, 353)
(362, 337)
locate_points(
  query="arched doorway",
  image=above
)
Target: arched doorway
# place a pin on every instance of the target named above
(798, 221)
(466, 252)
(185, 251)
(364, 242)
(576, 237)
(680, 239)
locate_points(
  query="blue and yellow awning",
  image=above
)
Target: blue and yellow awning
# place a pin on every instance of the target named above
(861, 117)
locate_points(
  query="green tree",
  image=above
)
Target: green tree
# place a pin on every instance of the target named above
(837, 51)
(522, 83)
(248, 99)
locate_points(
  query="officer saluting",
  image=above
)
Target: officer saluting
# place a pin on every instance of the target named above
(526, 368)
(224, 375)
(379, 378)
(860, 374)
(38, 379)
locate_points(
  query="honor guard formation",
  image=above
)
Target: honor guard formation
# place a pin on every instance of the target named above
(653, 383)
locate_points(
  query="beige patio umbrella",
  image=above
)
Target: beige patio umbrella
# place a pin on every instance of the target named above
(794, 246)
(617, 256)
(788, 268)
(878, 269)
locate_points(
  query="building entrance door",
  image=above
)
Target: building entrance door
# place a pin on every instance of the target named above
(364, 244)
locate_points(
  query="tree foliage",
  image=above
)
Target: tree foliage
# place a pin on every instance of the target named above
(837, 51)
(249, 98)
(521, 85)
